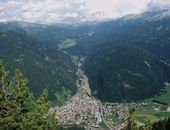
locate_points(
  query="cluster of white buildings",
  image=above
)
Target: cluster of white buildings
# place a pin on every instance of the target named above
(80, 110)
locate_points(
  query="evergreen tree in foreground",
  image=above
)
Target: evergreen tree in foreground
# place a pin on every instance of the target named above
(18, 109)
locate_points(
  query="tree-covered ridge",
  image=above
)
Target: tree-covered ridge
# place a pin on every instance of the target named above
(40, 48)
(44, 67)
(114, 74)
(19, 109)
(125, 72)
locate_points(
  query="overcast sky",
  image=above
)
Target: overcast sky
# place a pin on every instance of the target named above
(58, 11)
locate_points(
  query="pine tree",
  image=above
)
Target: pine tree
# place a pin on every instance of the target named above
(18, 109)
(6, 103)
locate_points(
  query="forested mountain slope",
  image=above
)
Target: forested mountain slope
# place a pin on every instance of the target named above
(44, 67)
(43, 49)
(125, 72)
(133, 61)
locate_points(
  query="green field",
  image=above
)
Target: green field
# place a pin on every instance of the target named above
(67, 44)
(150, 116)
(165, 96)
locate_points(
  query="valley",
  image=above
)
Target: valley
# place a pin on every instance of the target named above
(84, 110)
(94, 73)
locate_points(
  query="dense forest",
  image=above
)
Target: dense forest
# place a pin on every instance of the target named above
(125, 71)
(44, 67)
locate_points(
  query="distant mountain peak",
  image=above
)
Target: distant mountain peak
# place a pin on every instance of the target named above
(148, 15)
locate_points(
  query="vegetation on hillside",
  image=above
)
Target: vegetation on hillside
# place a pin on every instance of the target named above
(44, 67)
(19, 109)
(125, 72)
(164, 97)
(133, 125)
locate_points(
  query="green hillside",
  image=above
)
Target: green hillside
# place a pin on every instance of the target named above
(124, 72)
(44, 67)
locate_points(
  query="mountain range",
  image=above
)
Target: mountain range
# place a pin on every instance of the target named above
(125, 59)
